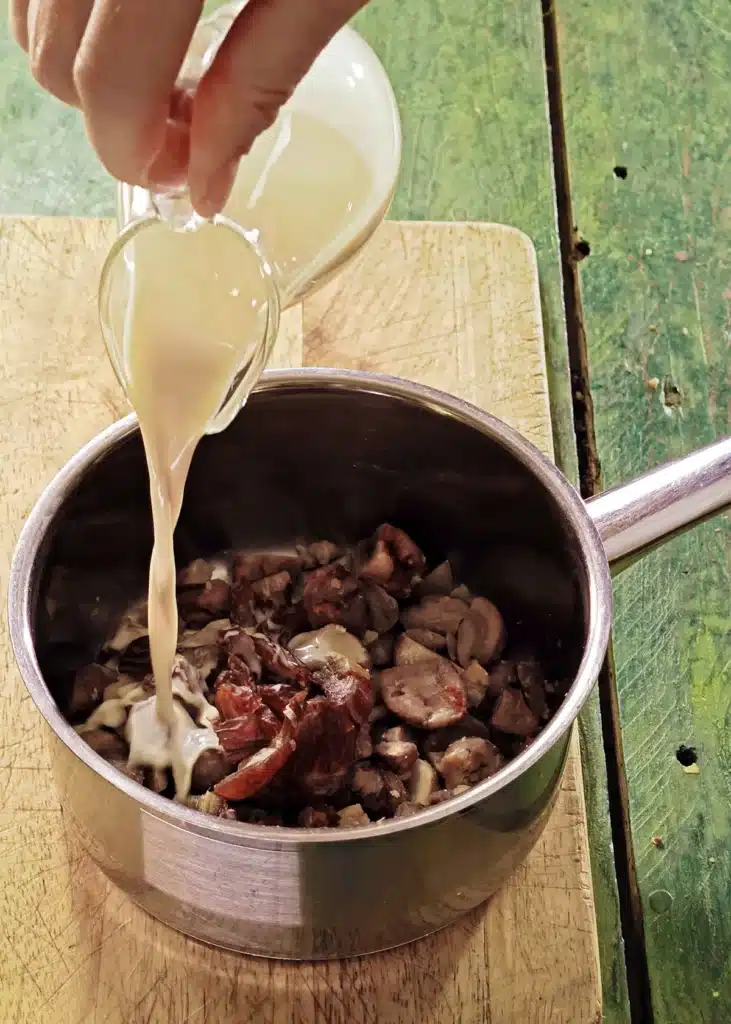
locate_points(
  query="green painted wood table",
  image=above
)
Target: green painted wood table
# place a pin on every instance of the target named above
(605, 136)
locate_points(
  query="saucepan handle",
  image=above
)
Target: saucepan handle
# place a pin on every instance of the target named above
(635, 517)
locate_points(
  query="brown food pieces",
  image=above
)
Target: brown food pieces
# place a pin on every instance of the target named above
(107, 744)
(429, 694)
(379, 790)
(394, 562)
(446, 704)
(333, 595)
(468, 761)
(87, 690)
(199, 605)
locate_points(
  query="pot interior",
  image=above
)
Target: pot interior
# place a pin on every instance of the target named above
(307, 461)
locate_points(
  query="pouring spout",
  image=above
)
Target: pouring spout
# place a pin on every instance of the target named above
(636, 517)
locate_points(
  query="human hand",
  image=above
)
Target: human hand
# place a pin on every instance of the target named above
(118, 61)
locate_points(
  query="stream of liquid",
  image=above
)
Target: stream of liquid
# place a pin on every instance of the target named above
(196, 308)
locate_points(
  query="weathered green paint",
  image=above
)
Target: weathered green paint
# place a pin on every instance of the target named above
(470, 83)
(650, 89)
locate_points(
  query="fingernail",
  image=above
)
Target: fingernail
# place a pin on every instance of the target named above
(217, 190)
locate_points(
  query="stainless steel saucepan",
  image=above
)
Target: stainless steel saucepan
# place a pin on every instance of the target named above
(324, 453)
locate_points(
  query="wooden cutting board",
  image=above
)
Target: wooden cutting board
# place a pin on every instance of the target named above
(451, 305)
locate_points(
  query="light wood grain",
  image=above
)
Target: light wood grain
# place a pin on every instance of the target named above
(451, 305)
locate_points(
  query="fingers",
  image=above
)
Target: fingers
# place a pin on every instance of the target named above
(54, 30)
(269, 48)
(125, 74)
(19, 22)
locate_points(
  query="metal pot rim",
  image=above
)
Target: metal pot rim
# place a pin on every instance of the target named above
(567, 500)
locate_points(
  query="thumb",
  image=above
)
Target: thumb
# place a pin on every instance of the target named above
(268, 50)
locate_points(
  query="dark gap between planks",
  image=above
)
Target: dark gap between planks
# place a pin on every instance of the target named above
(573, 249)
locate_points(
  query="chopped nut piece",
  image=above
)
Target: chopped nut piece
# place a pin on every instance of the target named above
(468, 761)
(353, 815)
(383, 609)
(88, 688)
(513, 716)
(107, 744)
(395, 562)
(427, 638)
(318, 817)
(381, 651)
(210, 767)
(315, 648)
(429, 694)
(272, 589)
(399, 755)
(439, 614)
(423, 783)
(439, 582)
(409, 652)
(137, 773)
(331, 594)
(407, 810)
(481, 635)
(533, 684)
(209, 803)
(380, 791)
(476, 682)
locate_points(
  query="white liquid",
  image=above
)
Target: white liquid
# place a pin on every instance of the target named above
(301, 186)
(197, 307)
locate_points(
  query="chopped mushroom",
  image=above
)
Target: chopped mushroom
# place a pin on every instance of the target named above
(429, 694)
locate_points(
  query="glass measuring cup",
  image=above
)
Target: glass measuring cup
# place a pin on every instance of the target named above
(306, 199)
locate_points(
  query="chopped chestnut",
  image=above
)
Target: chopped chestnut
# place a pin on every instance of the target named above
(331, 594)
(344, 684)
(423, 783)
(351, 816)
(380, 791)
(481, 633)
(210, 767)
(469, 761)
(107, 744)
(428, 694)
(513, 716)
(87, 691)
(398, 750)
(395, 562)
(476, 683)
(438, 614)
(318, 817)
